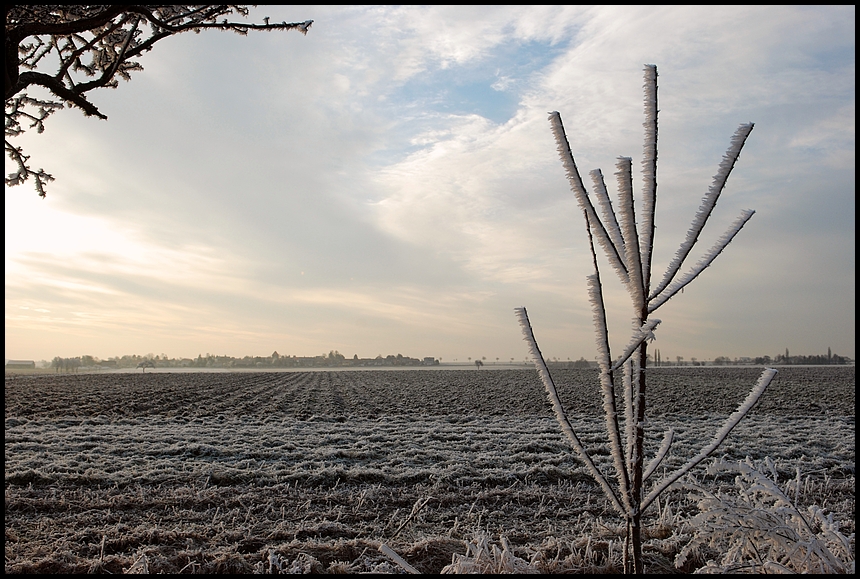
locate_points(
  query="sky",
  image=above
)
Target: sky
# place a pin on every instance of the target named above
(390, 184)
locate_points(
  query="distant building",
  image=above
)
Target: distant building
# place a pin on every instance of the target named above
(430, 361)
(21, 365)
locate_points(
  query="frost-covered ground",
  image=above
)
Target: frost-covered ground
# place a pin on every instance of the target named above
(213, 472)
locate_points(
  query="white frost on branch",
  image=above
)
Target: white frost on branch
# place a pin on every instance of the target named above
(703, 263)
(649, 171)
(598, 314)
(707, 206)
(582, 198)
(730, 423)
(561, 417)
(609, 219)
(668, 438)
(607, 385)
(632, 428)
(646, 332)
(624, 176)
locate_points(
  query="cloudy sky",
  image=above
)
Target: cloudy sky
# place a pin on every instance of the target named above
(389, 184)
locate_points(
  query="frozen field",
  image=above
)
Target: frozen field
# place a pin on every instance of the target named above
(216, 471)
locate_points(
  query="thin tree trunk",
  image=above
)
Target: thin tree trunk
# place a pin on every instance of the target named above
(633, 562)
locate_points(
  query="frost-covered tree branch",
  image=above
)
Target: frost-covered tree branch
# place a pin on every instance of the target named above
(627, 218)
(649, 171)
(720, 436)
(646, 332)
(609, 219)
(560, 414)
(700, 266)
(603, 238)
(708, 204)
(70, 50)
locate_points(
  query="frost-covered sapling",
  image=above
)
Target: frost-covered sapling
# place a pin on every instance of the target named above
(628, 248)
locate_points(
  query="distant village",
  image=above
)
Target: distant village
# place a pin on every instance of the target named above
(335, 359)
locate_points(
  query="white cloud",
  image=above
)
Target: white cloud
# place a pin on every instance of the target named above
(418, 221)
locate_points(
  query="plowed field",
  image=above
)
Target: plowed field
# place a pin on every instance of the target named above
(312, 471)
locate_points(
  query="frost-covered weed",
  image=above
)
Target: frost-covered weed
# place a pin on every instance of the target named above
(758, 527)
(139, 567)
(485, 558)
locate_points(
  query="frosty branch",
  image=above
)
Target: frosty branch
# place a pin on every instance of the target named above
(70, 50)
(628, 248)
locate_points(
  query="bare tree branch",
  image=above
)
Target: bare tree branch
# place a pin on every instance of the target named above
(95, 46)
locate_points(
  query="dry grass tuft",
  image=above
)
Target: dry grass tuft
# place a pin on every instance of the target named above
(485, 558)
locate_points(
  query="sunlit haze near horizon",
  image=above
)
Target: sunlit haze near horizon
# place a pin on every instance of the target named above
(390, 184)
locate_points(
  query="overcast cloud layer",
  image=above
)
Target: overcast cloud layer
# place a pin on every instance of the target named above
(389, 184)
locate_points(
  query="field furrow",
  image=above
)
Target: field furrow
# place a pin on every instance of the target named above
(213, 472)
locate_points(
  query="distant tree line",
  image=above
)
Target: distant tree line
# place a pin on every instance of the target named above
(781, 359)
(66, 364)
(333, 359)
